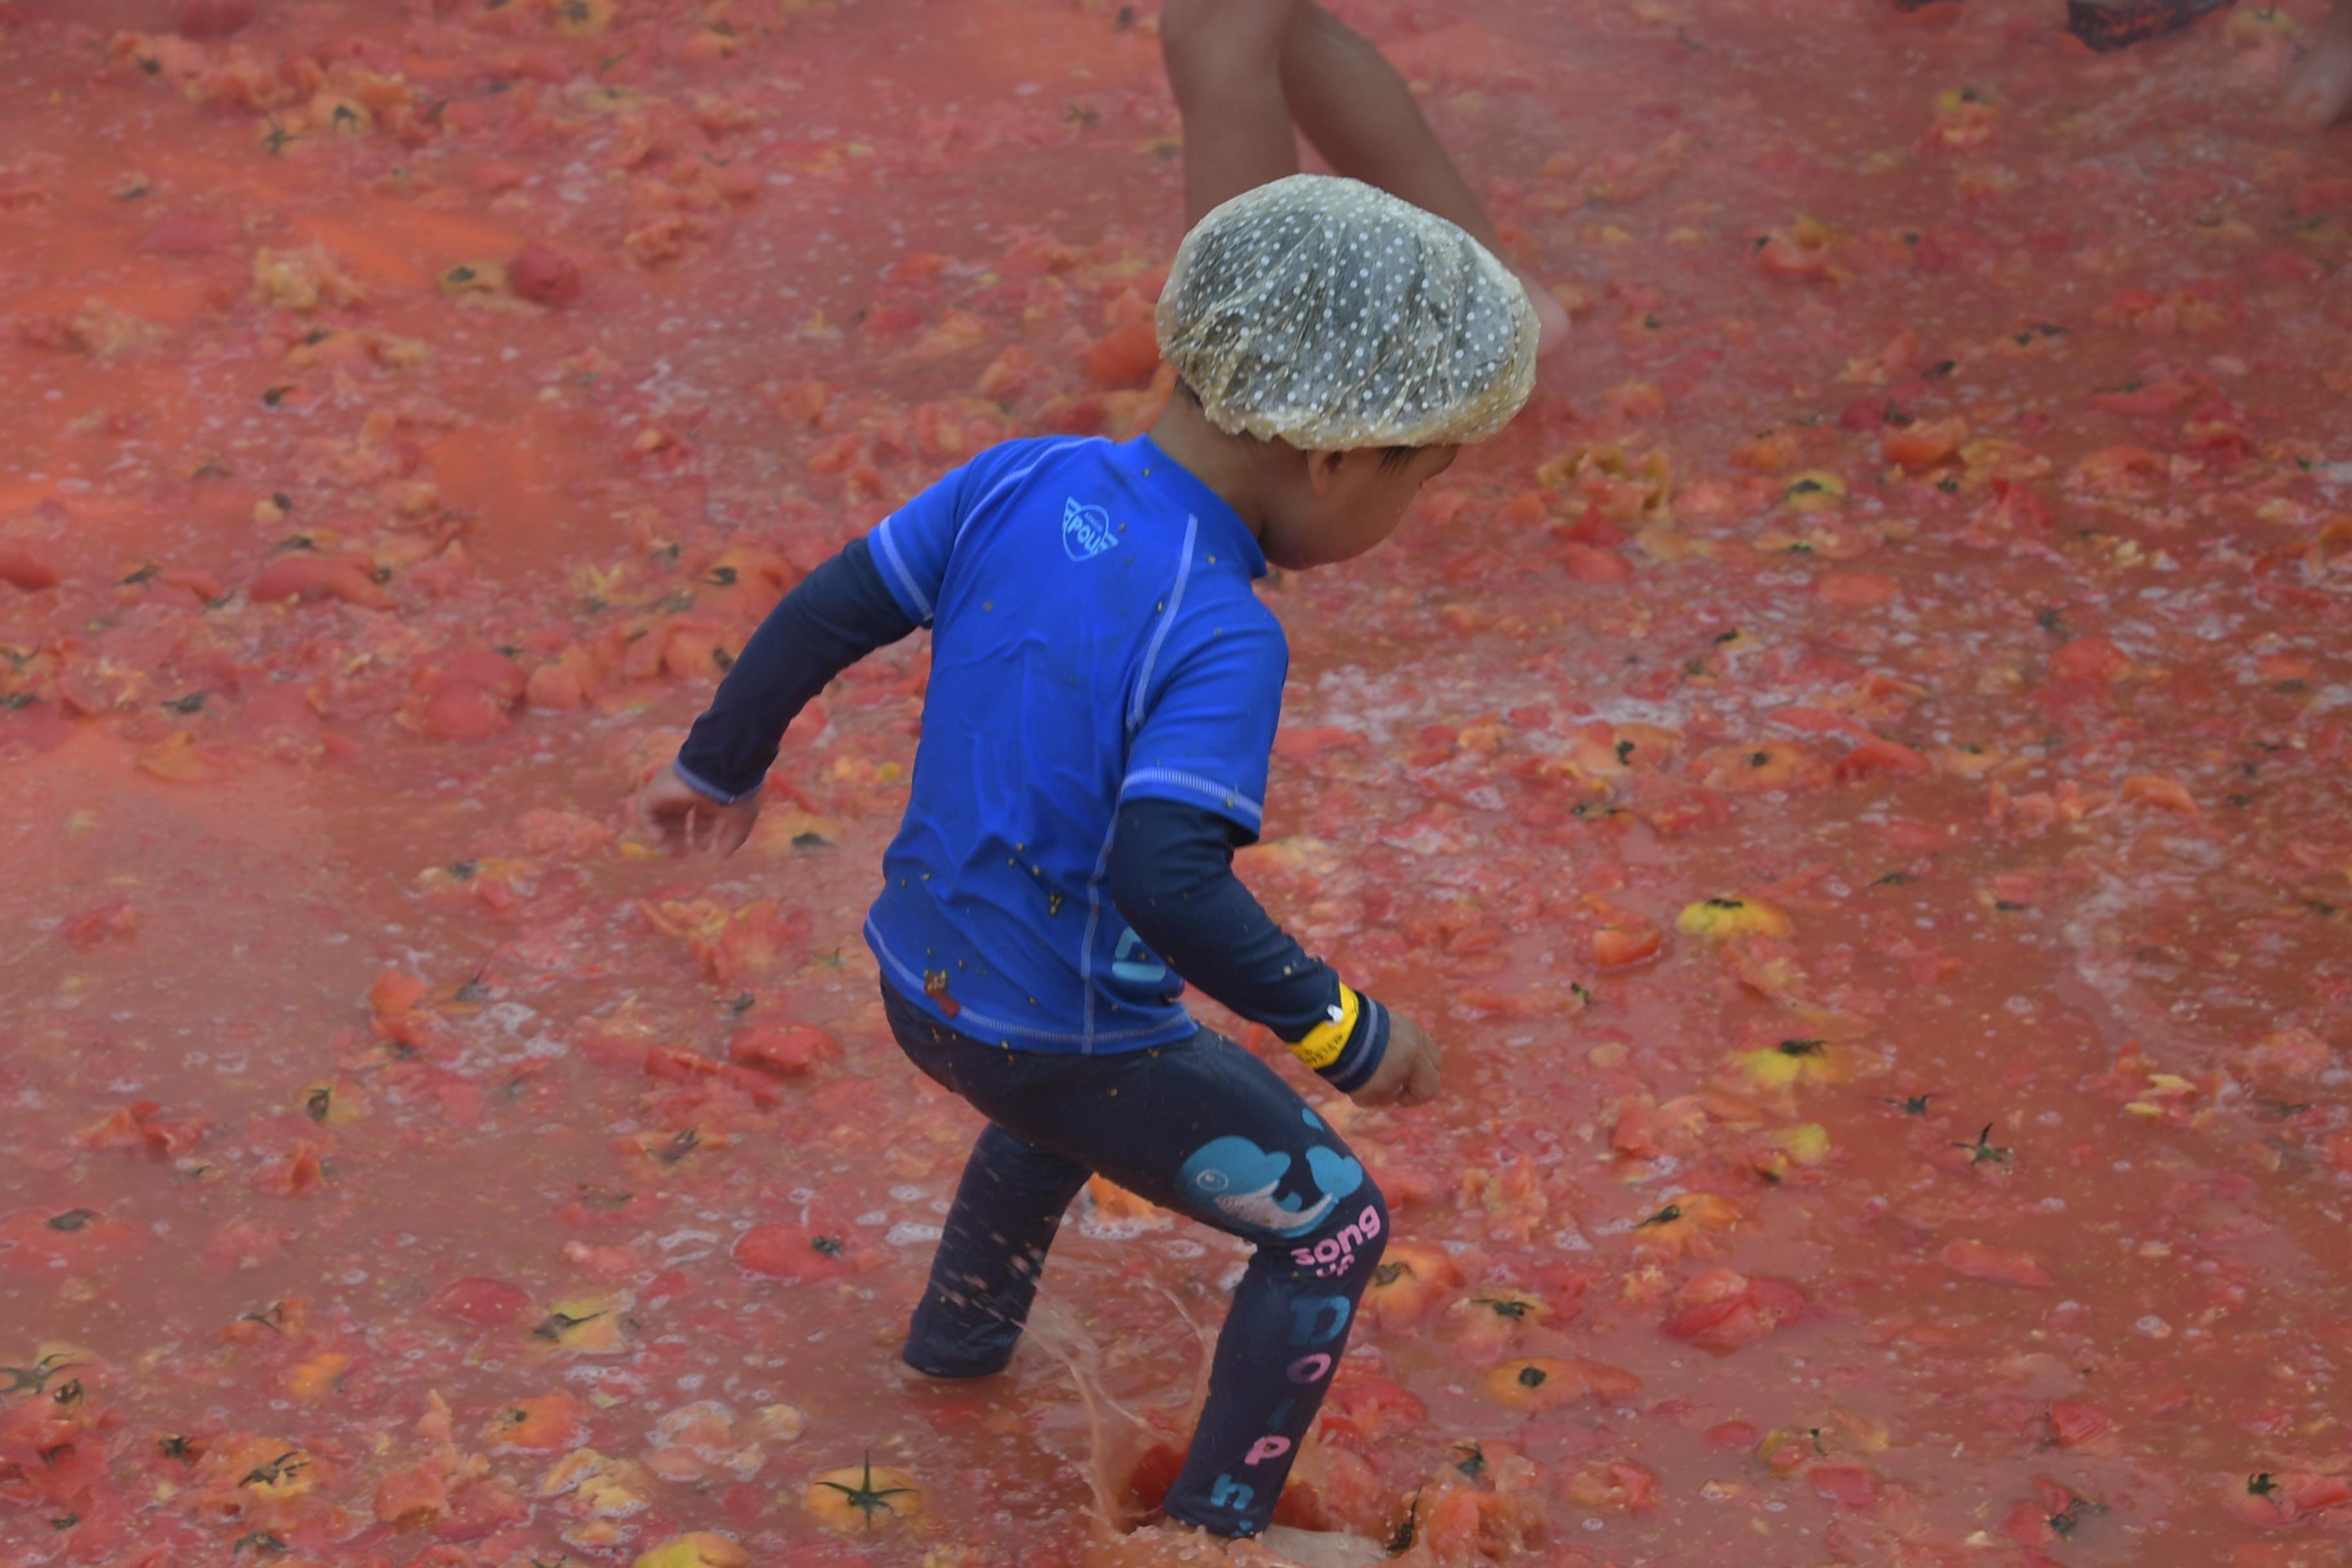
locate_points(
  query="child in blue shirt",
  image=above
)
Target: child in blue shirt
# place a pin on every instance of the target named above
(1104, 687)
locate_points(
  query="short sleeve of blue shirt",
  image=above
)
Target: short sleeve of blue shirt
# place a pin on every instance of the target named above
(1207, 734)
(911, 545)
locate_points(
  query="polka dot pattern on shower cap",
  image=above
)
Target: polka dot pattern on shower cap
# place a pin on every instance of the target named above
(1331, 315)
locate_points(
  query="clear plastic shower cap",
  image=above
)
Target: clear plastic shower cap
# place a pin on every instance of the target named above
(1331, 315)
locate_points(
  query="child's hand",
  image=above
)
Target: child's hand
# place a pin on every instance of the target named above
(1407, 1071)
(683, 820)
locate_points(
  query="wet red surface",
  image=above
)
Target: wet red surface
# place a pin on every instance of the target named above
(1853, 776)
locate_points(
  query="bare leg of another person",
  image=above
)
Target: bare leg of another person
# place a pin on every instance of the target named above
(2321, 89)
(1224, 64)
(1359, 113)
(1246, 71)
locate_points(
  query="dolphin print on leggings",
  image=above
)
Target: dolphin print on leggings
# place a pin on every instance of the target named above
(1241, 1180)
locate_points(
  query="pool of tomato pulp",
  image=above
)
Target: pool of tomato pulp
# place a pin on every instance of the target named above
(1853, 777)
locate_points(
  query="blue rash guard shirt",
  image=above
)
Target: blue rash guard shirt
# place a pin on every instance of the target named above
(1181, 808)
(1094, 640)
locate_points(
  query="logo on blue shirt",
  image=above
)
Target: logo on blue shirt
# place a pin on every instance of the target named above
(1086, 530)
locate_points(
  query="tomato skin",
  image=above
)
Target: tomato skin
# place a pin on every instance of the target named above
(1624, 938)
(1866, 413)
(1781, 256)
(545, 274)
(1536, 1383)
(2292, 1497)
(396, 995)
(463, 713)
(1925, 444)
(2312, 1493)
(828, 1493)
(790, 1252)
(139, 1125)
(1368, 1406)
(1409, 1280)
(2013, 506)
(2073, 1424)
(115, 918)
(22, 571)
(1155, 1473)
(69, 1240)
(1591, 563)
(1723, 1310)
(1880, 755)
(495, 673)
(2156, 790)
(787, 1049)
(2089, 661)
(1615, 948)
(348, 578)
(1617, 1486)
(542, 1425)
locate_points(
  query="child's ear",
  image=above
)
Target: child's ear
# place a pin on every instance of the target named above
(1322, 467)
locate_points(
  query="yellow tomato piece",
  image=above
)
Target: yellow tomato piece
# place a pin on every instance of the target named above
(567, 1473)
(617, 1491)
(1806, 1143)
(330, 1103)
(309, 1379)
(857, 1500)
(475, 277)
(1864, 1432)
(1815, 489)
(1790, 1061)
(1771, 1068)
(1502, 1310)
(1784, 1452)
(1536, 1383)
(1719, 920)
(697, 1549)
(583, 1325)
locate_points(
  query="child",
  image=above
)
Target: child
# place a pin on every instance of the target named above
(1103, 696)
(1246, 71)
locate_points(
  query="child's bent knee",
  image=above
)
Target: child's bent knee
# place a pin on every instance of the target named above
(1350, 1239)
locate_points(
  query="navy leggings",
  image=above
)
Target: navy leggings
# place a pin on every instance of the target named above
(1202, 1128)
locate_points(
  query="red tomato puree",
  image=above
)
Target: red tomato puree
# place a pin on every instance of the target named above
(1854, 776)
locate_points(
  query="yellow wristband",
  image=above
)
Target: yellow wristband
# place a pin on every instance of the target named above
(1324, 1043)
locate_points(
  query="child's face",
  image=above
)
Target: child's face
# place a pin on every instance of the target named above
(1345, 503)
